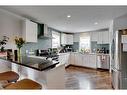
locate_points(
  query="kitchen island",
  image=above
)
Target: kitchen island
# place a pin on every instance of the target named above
(48, 73)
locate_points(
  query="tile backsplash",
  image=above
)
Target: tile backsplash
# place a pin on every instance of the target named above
(95, 46)
(41, 44)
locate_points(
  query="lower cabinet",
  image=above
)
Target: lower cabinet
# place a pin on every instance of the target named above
(92, 61)
(78, 59)
(85, 60)
(64, 58)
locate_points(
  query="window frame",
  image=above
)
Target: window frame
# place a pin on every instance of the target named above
(56, 34)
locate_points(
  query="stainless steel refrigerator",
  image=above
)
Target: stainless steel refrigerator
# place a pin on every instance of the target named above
(119, 59)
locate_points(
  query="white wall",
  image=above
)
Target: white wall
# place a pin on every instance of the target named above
(120, 23)
(10, 26)
(110, 40)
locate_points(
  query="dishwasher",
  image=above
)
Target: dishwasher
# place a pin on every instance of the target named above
(103, 61)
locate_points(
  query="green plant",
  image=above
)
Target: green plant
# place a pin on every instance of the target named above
(19, 42)
(3, 42)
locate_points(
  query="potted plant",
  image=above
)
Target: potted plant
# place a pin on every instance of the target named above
(3, 42)
(19, 43)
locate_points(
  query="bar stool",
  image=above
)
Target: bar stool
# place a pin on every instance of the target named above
(24, 84)
(9, 76)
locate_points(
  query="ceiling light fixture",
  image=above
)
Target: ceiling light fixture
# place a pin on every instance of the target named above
(96, 23)
(68, 16)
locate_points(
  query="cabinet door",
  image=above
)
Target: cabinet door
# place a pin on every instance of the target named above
(72, 58)
(63, 38)
(78, 59)
(92, 61)
(105, 36)
(69, 39)
(124, 38)
(100, 38)
(62, 59)
(67, 58)
(94, 36)
(30, 31)
(86, 60)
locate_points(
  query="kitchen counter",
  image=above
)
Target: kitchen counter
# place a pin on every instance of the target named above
(34, 63)
(102, 54)
(90, 53)
(38, 69)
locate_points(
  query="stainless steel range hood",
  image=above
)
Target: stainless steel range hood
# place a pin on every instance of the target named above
(43, 32)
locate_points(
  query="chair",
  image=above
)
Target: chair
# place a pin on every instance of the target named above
(24, 84)
(9, 76)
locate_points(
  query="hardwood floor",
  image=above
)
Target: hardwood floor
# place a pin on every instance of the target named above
(83, 78)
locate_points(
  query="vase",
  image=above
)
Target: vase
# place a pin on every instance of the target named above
(19, 54)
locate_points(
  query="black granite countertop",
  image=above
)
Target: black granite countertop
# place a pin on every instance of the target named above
(35, 63)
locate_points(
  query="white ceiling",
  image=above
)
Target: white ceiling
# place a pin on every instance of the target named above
(82, 17)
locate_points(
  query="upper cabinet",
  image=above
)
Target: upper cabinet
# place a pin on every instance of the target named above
(66, 39)
(124, 38)
(63, 38)
(106, 37)
(101, 37)
(30, 31)
(94, 36)
(69, 39)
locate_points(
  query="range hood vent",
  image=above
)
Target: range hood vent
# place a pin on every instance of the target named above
(43, 32)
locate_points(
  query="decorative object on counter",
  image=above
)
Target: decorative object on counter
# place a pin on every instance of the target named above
(19, 43)
(3, 42)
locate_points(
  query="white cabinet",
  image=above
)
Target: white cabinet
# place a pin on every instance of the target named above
(30, 31)
(63, 38)
(89, 60)
(100, 38)
(69, 39)
(92, 61)
(78, 59)
(103, 37)
(72, 58)
(94, 36)
(66, 39)
(124, 38)
(124, 41)
(85, 60)
(64, 58)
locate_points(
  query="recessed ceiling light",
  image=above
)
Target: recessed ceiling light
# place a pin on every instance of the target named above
(68, 16)
(96, 23)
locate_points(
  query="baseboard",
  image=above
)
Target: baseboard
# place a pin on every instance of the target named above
(68, 66)
(80, 67)
(102, 69)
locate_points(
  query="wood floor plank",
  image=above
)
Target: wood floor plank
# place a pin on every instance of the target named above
(83, 78)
